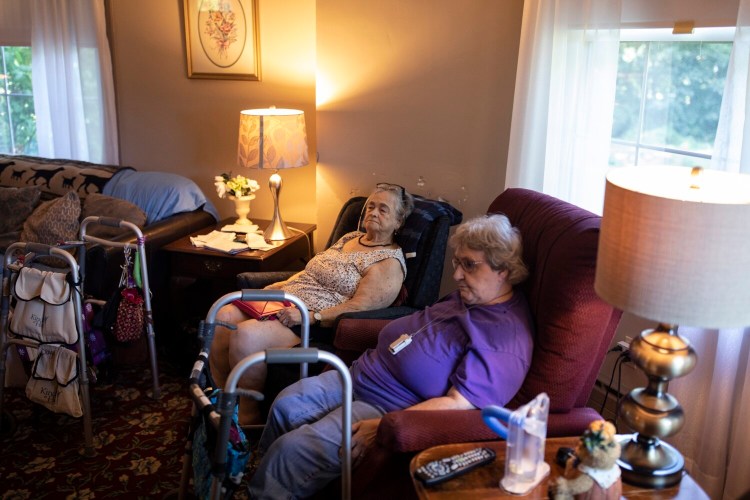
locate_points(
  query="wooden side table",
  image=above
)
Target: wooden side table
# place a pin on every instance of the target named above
(484, 481)
(198, 277)
(220, 269)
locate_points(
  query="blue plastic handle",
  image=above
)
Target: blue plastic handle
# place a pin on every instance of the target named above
(492, 415)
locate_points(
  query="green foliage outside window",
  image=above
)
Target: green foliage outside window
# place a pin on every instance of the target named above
(17, 117)
(668, 97)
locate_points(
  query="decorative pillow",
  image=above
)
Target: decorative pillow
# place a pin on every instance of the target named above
(54, 221)
(16, 204)
(106, 206)
(159, 194)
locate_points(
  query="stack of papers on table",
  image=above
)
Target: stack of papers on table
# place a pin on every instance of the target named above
(219, 241)
(258, 242)
(225, 242)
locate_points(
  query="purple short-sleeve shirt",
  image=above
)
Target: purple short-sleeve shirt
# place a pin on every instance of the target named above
(482, 351)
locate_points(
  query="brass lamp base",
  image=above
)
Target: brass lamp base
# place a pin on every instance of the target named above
(646, 460)
(650, 463)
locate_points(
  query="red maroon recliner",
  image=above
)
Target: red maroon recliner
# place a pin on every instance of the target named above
(574, 328)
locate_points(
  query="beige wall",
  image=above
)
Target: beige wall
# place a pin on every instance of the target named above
(410, 90)
(170, 122)
(405, 90)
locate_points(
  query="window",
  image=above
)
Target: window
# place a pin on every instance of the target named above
(668, 96)
(17, 118)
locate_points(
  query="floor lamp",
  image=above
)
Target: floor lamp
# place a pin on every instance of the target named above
(273, 138)
(673, 249)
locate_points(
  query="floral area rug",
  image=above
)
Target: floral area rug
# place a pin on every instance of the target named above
(139, 442)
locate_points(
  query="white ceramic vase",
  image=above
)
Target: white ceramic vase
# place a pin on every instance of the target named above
(242, 207)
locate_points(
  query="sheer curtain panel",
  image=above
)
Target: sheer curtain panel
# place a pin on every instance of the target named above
(716, 395)
(72, 81)
(564, 99)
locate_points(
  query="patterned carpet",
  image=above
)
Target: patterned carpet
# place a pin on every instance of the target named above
(139, 442)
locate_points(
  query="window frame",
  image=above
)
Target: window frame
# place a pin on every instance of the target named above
(704, 34)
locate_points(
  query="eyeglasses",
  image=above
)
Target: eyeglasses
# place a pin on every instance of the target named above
(387, 186)
(469, 266)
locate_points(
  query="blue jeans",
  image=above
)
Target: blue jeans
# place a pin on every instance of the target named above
(301, 441)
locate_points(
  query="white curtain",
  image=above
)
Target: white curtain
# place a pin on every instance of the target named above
(716, 399)
(564, 99)
(732, 145)
(716, 394)
(72, 80)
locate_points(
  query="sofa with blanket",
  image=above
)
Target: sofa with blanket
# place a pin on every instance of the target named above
(43, 200)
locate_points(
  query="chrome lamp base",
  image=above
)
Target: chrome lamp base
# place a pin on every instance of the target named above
(277, 229)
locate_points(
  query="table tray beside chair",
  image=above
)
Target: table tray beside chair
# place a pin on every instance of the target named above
(574, 329)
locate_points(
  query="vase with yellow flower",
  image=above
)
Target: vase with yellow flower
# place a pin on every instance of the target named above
(240, 190)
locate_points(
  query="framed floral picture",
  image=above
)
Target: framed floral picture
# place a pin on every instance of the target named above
(221, 39)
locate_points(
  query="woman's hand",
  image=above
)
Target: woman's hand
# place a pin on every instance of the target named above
(363, 437)
(289, 317)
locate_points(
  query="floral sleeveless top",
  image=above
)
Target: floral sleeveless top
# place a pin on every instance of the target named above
(332, 276)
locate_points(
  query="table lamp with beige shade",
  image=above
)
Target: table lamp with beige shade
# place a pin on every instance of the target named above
(673, 248)
(273, 138)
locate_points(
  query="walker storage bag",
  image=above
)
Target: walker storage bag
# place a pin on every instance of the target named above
(124, 313)
(44, 308)
(54, 380)
(129, 324)
(204, 444)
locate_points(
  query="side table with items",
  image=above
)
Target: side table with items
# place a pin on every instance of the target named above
(199, 276)
(484, 481)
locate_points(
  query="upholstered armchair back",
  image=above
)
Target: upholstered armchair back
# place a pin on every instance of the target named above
(574, 327)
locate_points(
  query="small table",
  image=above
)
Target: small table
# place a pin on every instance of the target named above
(198, 276)
(484, 481)
(221, 269)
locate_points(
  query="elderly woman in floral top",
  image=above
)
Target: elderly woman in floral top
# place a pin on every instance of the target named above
(361, 271)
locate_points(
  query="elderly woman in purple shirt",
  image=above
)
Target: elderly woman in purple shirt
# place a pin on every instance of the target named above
(470, 349)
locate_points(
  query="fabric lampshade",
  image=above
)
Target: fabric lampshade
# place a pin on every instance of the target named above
(674, 245)
(272, 138)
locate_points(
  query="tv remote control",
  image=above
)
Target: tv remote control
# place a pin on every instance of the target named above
(443, 469)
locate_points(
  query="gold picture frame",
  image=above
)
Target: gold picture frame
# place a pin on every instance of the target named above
(221, 39)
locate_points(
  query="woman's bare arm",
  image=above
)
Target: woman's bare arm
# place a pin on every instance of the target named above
(378, 288)
(453, 400)
(364, 431)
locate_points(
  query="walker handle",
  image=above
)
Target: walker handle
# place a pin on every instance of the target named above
(292, 356)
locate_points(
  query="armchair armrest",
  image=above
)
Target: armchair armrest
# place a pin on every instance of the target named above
(352, 337)
(388, 313)
(416, 430)
(258, 280)
(358, 331)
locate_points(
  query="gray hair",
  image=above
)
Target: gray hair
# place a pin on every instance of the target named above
(404, 200)
(498, 240)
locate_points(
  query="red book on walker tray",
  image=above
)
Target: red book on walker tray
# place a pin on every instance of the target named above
(261, 309)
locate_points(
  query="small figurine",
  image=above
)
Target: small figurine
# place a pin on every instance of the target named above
(592, 473)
